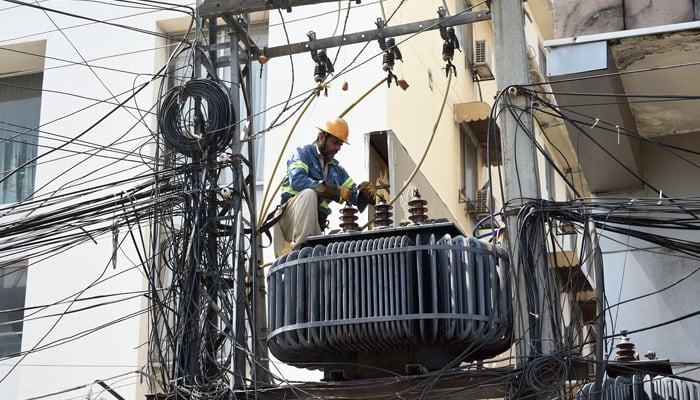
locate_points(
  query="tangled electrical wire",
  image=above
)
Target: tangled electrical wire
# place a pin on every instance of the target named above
(197, 117)
(194, 270)
(200, 250)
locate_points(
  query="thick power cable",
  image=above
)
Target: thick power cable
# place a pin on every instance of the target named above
(266, 206)
(427, 147)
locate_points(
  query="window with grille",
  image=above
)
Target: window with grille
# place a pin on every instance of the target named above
(13, 285)
(20, 109)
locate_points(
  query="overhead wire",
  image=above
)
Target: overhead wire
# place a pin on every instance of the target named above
(95, 20)
(604, 149)
(521, 110)
(74, 139)
(684, 207)
(83, 60)
(79, 387)
(36, 348)
(35, 34)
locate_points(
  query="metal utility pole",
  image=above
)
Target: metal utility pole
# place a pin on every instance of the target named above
(251, 279)
(533, 329)
(597, 261)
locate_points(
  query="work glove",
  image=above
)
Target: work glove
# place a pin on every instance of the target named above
(332, 191)
(367, 192)
(345, 193)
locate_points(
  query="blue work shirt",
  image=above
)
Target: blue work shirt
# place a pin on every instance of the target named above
(305, 171)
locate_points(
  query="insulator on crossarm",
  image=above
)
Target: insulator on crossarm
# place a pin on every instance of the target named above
(387, 61)
(448, 51)
(319, 73)
(389, 56)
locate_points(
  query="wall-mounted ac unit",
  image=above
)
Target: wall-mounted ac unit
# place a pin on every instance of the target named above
(479, 208)
(482, 61)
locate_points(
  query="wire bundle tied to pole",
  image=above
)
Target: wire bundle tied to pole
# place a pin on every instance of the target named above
(197, 116)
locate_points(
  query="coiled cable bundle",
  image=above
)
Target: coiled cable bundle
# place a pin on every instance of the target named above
(196, 116)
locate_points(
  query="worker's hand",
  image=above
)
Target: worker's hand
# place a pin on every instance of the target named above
(367, 192)
(333, 191)
(345, 193)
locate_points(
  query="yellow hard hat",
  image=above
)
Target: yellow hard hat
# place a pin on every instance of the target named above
(337, 127)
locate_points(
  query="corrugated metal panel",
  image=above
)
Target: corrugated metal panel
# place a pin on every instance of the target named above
(643, 387)
(390, 294)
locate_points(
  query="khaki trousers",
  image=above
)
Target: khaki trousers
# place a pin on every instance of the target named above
(299, 221)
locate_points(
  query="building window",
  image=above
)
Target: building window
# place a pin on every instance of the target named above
(465, 35)
(13, 285)
(549, 184)
(20, 109)
(470, 172)
(542, 59)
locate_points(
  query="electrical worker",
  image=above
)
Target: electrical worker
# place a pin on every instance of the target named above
(314, 179)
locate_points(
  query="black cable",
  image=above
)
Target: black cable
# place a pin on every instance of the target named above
(193, 129)
(604, 150)
(77, 16)
(78, 136)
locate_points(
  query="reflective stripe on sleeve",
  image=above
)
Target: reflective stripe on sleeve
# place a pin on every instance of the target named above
(298, 164)
(348, 182)
(288, 189)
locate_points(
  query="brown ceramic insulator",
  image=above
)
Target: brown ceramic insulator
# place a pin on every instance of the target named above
(382, 215)
(348, 217)
(626, 350)
(416, 207)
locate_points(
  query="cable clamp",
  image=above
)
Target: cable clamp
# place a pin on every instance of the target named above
(280, 4)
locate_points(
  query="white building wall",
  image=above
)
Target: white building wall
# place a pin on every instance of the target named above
(664, 280)
(76, 339)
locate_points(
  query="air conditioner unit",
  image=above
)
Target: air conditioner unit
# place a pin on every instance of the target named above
(479, 208)
(482, 203)
(482, 61)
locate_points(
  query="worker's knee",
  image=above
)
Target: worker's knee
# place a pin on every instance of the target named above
(307, 199)
(306, 195)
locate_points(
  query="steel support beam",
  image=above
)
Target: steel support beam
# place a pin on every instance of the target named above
(352, 38)
(365, 36)
(217, 8)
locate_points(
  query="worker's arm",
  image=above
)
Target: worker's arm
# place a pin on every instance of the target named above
(299, 176)
(303, 171)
